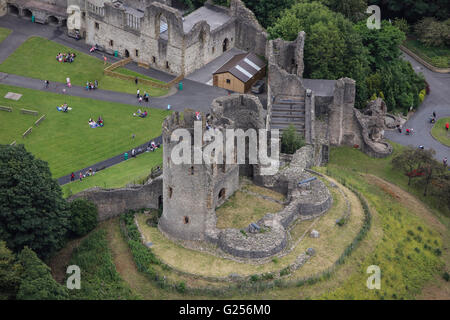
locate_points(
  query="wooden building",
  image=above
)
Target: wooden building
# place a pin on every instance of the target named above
(240, 72)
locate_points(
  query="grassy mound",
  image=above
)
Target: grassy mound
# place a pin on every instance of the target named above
(440, 133)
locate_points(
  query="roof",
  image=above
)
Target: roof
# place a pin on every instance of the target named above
(215, 18)
(243, 66)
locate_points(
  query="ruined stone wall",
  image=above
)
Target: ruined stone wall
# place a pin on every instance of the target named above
(113, 202)
(250, 36)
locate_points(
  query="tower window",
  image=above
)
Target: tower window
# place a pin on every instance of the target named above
(186, 220)
(167, 64)
(192, 170)
(154, 59)
(111, 43)
(137, 52)
(170, 192)
(222, 194)
(97, 26)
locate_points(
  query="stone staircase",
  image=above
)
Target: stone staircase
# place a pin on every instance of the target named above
(288, 110)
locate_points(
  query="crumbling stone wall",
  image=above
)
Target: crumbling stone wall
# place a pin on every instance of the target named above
(113, 202)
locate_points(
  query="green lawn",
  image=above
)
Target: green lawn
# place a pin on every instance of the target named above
(36, 58)
(134, 170)
(4, 33)
(437, 56)
(65, 140)
(440, 133)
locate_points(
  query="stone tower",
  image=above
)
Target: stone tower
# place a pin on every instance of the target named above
(191, 192)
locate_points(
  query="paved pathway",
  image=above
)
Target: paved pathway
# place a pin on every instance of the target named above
(107, 163)
(439, 101)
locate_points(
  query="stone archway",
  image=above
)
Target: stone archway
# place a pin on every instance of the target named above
(53, 20)
(127, 53)
(27, 13)
(222, 193)
(225, 45)
(12, 9)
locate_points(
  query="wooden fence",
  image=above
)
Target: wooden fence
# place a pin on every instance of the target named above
(3, 108)
(25, 111)
(109, 71)
(38, 121)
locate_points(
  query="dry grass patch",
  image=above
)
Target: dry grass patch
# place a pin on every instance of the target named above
(242, 208)
(264, 191)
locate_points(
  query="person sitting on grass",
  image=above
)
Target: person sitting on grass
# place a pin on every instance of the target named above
(143, 115)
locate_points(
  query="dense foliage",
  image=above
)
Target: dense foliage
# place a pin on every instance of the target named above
(37, 282)
(431, 32)
(10, 272)
(99, 277)
(83, 217)
(413, 10)
(291, 141)
(32, 210)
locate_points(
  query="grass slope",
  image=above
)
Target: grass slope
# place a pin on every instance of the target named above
(440, 133)
(65, 140)
(99, 277)
(36, 58)
(134, 170)
(4, 33)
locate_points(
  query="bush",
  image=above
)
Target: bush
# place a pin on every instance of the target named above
(402, 24)
(10, 273)
(37, 282)
(83, 217)
(433, 33)
(291, 141)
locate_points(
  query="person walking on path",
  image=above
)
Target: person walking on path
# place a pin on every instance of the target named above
(72, 177)
(138, 94)
(434, 114)
(444, 161)
(104, 59)
(136, 80)
(81, 176)
(47, 83)
(446, 126)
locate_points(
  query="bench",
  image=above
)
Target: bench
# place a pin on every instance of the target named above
(27, 132)
(307, 181)
(39, 120)
(25, 111)
(3, 108)
(13, 143)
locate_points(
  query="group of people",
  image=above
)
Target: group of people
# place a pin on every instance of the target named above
(88, 173)
(95, 124)
(144, 97)
(152, 146)
(91, 85)
(408, 131)
(64, 108)
(140, 114)
(93, 48)
(65, 57)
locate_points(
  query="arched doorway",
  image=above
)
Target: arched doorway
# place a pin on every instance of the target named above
(127, 53)
(64, 23)
(53, 20)
(160, 202)
(27, 13)
(12, 9)
(225, 45)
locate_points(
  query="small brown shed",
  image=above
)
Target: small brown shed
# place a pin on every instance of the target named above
(240, 72)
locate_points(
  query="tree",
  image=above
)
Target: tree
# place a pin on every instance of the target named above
(333, 47)
(32, 210)
(291, 141)
(409, 161)
(267, 11)
(37, 282)
(352, 9)
(431, 32)
(83, 216)
(10, 272)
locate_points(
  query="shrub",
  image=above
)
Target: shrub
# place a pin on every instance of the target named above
(181, 287)
(446, 276)
(291, 141)
(285, 271)
(83, 217)
(402, 24)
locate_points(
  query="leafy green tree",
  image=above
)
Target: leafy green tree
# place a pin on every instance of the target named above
(32, 210)
(83, 217)
(267, 11)
(333, 47)
(402, 24)
(10, 272)
(291, 141)
(351, 9)
(431, 32)
(37, 282)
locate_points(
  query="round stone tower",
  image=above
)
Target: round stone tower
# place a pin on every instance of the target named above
(191, 192)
